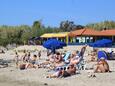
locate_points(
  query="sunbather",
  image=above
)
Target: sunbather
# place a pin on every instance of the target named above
(55, 60)
(33, 59)
(30, 64)
(71, 70)
(102, 66)
(58, 60)
(48, 61)
(74, 58)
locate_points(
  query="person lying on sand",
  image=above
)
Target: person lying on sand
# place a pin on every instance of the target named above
(71, 70)
(30, 64)
(55, 60)
(102, 66)
(48, 61)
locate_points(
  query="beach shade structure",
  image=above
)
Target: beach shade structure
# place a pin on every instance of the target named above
(102, 54)
(37, 38)
(102, 43)
(53, 44)
(33, 39)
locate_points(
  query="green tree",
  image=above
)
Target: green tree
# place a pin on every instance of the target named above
(69, 26)
(102, 25)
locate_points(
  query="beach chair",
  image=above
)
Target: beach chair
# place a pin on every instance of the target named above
(81, 65)
(66, 57)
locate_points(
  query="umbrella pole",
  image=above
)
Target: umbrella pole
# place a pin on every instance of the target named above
(53, 50)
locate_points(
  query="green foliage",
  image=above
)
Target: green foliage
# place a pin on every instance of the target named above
(12, 34)
(66, 25)
(102, 25)
(21, 34)
(69, 26)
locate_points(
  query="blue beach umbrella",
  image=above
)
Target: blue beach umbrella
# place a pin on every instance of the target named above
(53, 44)
(102, 43)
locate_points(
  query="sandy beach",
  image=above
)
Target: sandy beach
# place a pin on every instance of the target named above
(11, 76)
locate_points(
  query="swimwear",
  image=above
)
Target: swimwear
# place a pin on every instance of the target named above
(66, 74)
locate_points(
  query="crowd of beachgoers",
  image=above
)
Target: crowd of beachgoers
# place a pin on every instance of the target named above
(62, 64)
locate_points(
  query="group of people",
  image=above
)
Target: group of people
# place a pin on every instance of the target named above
(26, 60)
(57, 63)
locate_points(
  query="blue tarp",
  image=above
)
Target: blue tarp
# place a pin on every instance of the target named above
(53, 44)
(102, 43)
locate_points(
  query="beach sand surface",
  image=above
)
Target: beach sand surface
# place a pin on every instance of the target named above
(11, 76)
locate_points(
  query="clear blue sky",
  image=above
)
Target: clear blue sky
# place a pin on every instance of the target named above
(52, 12)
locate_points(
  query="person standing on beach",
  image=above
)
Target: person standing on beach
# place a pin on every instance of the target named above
(16, 59)
(27, 59)
(24, 56)
(39, 54)
(83, 49)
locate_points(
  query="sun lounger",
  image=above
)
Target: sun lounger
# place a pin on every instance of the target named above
(66, 57)
(81, 65)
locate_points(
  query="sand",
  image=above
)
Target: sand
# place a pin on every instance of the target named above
(12, 76)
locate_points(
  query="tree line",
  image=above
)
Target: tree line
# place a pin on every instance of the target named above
(21, 34)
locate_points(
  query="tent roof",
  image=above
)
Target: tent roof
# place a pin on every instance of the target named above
(52, 35)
